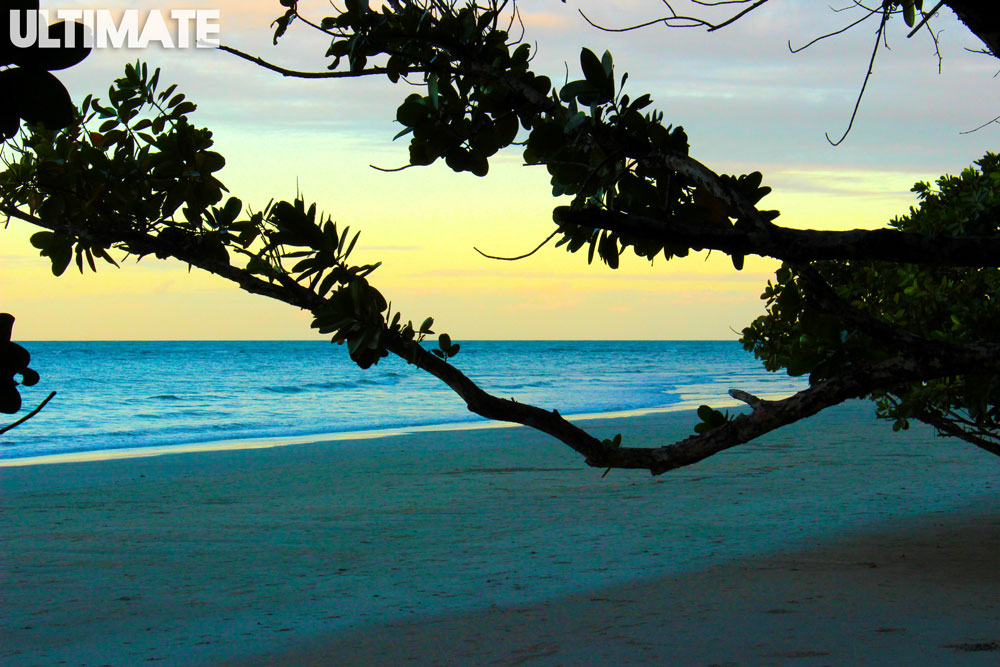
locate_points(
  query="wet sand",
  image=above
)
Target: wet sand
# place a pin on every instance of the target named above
(833, 542)
(925, 593)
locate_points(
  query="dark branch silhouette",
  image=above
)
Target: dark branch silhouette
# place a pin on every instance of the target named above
(525, 255)
(632, 180)
(29, 415)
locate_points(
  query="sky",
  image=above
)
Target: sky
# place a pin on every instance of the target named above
(746, 102)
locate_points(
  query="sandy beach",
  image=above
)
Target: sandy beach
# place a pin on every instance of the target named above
(833, 542)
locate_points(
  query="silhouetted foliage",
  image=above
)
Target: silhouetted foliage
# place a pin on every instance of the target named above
(826, 316)
(30, 91)
(14, 360)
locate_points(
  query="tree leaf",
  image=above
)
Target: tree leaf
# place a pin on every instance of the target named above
(593, 70)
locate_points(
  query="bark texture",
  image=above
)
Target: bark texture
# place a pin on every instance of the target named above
(982, 17)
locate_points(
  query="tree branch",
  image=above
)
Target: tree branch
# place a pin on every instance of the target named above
(748, 398)
(296, 73)
(755, 234)
(521, 256)
(797, 245)
(752, 234)
(766, 416)
(947, 427)
(141, 243)
(852, 383)
(676, 20)
(29, 415)
(823, 295)
(982, 18)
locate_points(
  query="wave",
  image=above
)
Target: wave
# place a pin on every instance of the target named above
(310, 386)
(537, 384)
(189, 412)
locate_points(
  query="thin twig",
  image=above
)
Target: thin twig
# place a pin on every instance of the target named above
(392, 170)
(868, 75)
(525, 255)
(29, 415)
(676, 20)
(927, 17)
(738, 16)
(296, 73)
(796, 49)
(976, 129)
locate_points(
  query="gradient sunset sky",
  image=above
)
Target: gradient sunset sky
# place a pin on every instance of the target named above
(746, 102)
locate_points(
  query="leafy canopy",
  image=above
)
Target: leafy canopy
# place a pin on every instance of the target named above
(897, 305)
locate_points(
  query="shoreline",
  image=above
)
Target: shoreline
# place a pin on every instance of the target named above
(313, 438)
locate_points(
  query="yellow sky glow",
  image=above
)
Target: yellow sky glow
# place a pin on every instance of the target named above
(281, 135)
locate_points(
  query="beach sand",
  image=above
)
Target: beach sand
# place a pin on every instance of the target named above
(832, 542)
(927, 593)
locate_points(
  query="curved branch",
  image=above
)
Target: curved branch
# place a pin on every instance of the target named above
(767, 415)
(29, 415)
(864, 85)
(637, 26)
(524, 256)
(853, 383)
(976, 129)
(831, 34)
(676, 20)
(946, 427)
(941, 361)
(296, 73)
(392, 170)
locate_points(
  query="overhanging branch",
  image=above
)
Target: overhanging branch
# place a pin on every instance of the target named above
(797, 245)
(297, 74)
(946, 427)
(29, 415)
(767, 415)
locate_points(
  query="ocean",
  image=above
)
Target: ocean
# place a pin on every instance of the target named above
(115, 395)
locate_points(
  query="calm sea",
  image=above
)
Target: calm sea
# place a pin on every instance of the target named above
(115, 395)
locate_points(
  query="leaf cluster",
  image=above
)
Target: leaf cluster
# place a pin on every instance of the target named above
(710, 419)
(14, 360)
(599, 145)
(144, 182)
(897, 303)
(131, 173)
(30, 92)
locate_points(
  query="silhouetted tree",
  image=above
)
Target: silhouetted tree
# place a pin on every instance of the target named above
(861, 312)
(30, 92)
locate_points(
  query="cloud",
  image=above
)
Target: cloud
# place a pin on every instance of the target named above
(534, 20)
(655, 280)
(856, 183)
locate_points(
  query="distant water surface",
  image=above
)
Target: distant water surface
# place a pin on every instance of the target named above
(139, 394)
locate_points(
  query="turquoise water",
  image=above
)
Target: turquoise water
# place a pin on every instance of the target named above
(114, 395)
